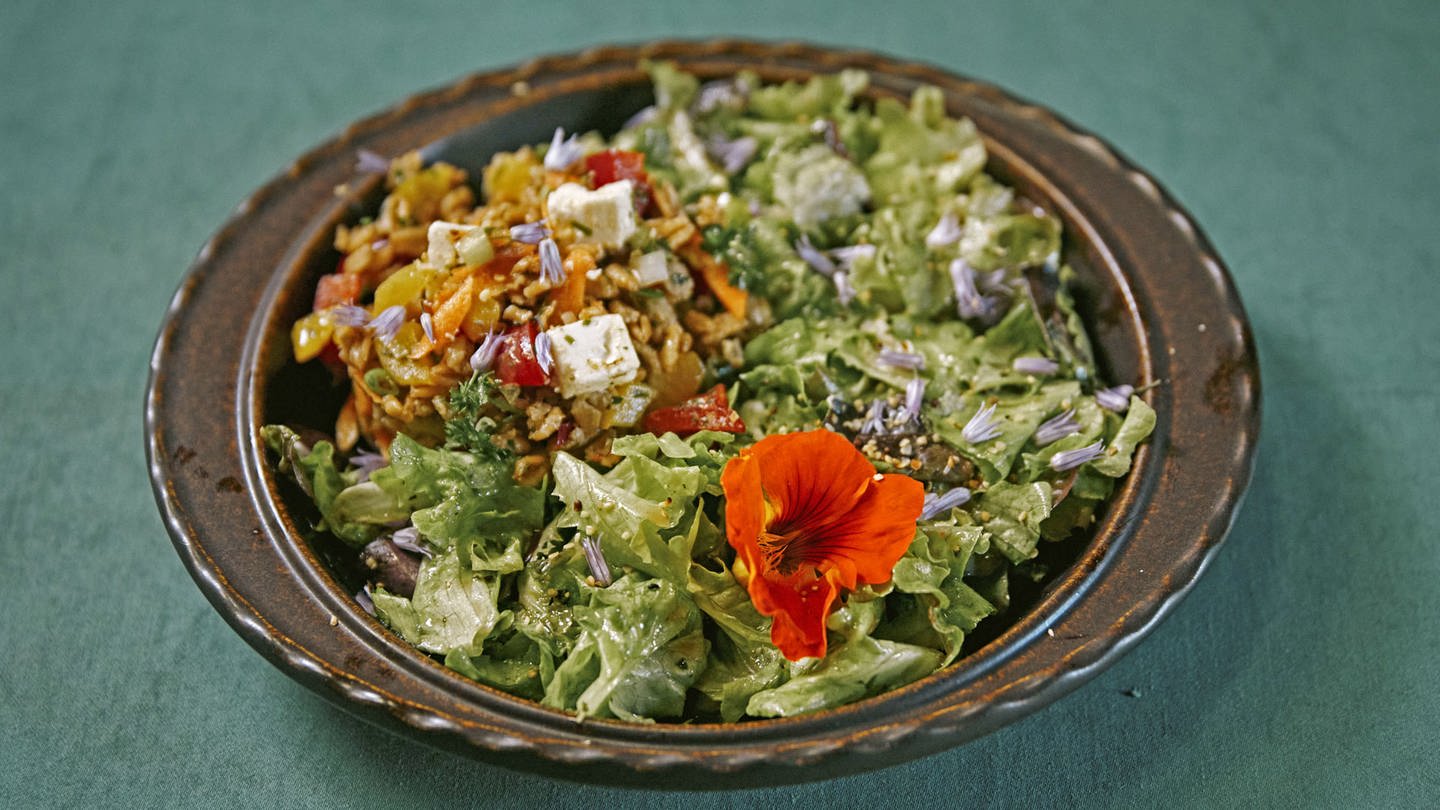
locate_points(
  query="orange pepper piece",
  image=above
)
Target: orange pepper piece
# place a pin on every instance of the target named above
(716, 276)
(570, 296)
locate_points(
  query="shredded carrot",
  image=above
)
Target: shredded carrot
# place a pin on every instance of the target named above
(716, 276)
(449, 315)
(570, 296)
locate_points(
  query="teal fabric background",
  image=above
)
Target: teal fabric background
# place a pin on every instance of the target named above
(1305, 137)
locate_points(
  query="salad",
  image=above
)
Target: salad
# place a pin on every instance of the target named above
(758, 407)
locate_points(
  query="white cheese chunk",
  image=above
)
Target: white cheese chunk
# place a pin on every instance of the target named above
(443, 236)
(605, 216)
(592, 355)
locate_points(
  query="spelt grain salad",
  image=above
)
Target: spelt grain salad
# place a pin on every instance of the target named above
(759, 406)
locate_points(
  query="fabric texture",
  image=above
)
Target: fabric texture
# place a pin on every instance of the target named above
(1301, 671)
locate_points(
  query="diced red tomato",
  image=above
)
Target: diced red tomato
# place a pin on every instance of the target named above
(517, 362)
(337, 288)
(708, 411)
(617, 164)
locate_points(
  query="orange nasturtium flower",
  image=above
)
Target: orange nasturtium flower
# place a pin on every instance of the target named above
(809, 517)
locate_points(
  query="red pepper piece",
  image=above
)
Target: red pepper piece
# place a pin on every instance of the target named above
(708, 411)
(617, 164)
(337, 288)
(517, 362)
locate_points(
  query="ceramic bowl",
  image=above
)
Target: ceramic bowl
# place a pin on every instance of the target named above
(1162, 310)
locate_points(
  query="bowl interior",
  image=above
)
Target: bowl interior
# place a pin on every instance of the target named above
(306, 395)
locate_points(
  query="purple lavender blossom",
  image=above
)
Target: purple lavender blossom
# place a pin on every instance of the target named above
(388, 322)
(551, 268)
(946, 232)
(368, 162)
(599, 568)
(844, 290)
(543, 354)
(408, 539)
(896, 358)
(1035, 365)
(563, 151)
(1057, 428)
(484, 357)
(529, 232)
(814, 257)
(936, 505)
(1070, 459)
(982, 427)
(1115, 399)
(349, 315)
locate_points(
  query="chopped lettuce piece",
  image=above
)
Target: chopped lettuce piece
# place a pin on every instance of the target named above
(314, 469)
(453, 608)
(643, 641)
(861, 667)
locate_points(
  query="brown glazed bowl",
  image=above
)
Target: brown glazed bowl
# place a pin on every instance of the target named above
(1162, 310)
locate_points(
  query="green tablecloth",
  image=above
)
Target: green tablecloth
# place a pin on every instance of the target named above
(1301, 671)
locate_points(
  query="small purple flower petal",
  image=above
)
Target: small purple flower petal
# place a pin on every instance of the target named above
(551, 268)
(982, 427)
(936, 505)
(716, 94)
(1035, 365)
(899, 359)
(368, 162)
(362, 598)
(543, 354)
(845, 257)
(388, 322)
(831, 133)
(595, 558)
(844, 290)
(366, 463)
(1057, 428)
(875, 420)
(349, 315)
(563, 151)
(817, 260)
(530, 232)
(994, 282)
(914, 398)
(484, 357)
(1115, 399)
(408, 539)
(1070, 459)
(732, 155)
(969, 302)
(645, 116)
(428, 324)
(946, 232)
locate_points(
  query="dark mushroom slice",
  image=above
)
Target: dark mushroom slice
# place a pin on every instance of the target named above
(391, 567)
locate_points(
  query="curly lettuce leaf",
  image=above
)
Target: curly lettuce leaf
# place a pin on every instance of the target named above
(1012, 514)
(459, 499)
(643, 642)
(743, 660)
(858, 668)
(933, 571)
(453, 609)
(1139, 423)
(314, 469)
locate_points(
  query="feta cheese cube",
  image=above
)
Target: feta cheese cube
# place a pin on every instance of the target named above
(592, 355)
(606, 216)
(443, 237)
